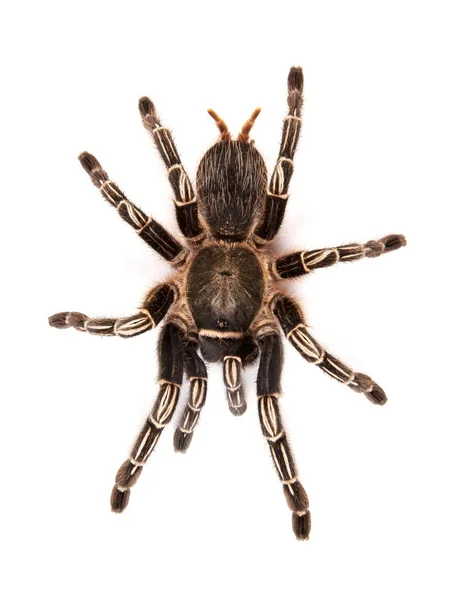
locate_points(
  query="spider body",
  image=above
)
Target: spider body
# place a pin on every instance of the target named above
(225, 303)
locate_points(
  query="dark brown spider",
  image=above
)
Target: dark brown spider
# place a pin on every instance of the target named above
(224, 298)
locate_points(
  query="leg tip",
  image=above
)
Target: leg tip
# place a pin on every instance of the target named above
(68, 319)
(295, 79)
(238, 410)
(295, 91)
(119, 499)
(301, 525)
(148, 112)
(182, 441)
(401, 240)
(371, 390)
(394, 242)
(88, 162)
(59, 321)
(376, 395)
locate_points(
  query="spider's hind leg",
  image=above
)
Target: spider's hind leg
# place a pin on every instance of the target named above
(196, 371)
(268, 388)
(170, 379)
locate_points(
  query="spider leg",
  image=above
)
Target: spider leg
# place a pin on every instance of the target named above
(152, 311)
(232, 375)
(278, 192)
(196, 371)
(170, 379)
(300, 263)
(268, 389)
(154, 234)
(185, 200)
(294, 327)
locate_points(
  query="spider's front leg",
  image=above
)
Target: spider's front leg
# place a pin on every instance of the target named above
(294, 327)
(300, 263)
(154, 234)
(278, 192)
(185, 201)
(269, 390)
(170, 380)
(152, 311)
(196, 371)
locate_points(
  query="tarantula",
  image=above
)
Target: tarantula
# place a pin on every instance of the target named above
(224, 298)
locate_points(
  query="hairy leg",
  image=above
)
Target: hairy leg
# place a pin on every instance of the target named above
(152, 311)
(300, 263)
(147, 228)
(294, 327)
(196, 371)
(278, 192)
(170, 379)
(269, 390)
(185, 200)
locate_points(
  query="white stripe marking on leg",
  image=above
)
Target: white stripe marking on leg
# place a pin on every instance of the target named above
(286, 460)
(144, 441)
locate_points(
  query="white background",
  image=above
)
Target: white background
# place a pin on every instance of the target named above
(373, 160)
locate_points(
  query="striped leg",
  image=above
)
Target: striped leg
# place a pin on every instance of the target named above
(196, 371)
(292, 322)
(153, 310)
(171, 376)
(273, 431)
(147, 228)
(268, 388)
(277, 194)
(300, 263)
(185, 201)
(232, 375)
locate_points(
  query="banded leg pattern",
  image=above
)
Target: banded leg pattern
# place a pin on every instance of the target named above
(184, 432)
(295, 329)
(124, 327)
(232, 375)
(296, 497)
(131, 469)
(277, 195)
(185, 200)
(154, 308)
(154, 234)
(170, 379)
(195, 369)
(269, 389)
(300, 263)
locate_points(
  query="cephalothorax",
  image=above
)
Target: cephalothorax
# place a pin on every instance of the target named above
(224, 300)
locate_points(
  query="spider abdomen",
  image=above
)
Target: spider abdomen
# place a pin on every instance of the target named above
(225, 288)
